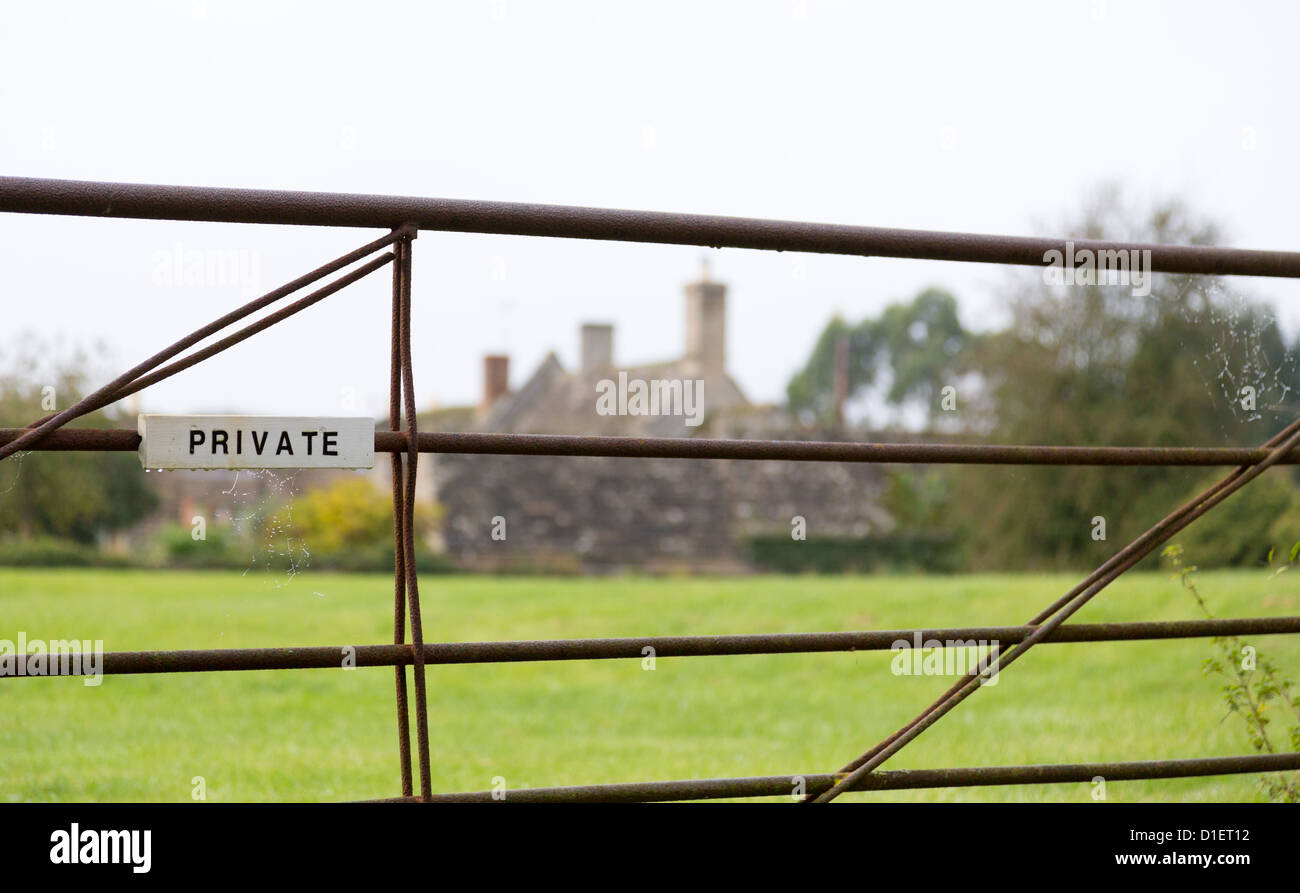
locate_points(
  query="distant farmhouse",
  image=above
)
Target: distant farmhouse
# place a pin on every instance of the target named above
(592, 513)
(661, 515)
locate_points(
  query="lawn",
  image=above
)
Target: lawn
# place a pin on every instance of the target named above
(330, 734)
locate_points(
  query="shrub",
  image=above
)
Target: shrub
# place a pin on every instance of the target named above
(1263, 515)
(51, 552)
(181, 549)
(350, 514)
(834, 555)
(348, 526)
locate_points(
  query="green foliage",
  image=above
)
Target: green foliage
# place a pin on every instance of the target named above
(812, 389)
(64, 495)
(908, 551)
(349, 526)
(44, 551)
(1099, 365)
(378, 557)
(1087, 365)
(916, 347)
(349, 514)
(222, 549)
(217, 549)
(1253, 687)
(923, 341)
(919, 498)
(1247, 526)
(327, 736)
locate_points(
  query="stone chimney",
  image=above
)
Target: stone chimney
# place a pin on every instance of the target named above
(706, 324)
(597, 347)
(496, 378)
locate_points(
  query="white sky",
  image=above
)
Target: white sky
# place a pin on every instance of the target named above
(982, 117)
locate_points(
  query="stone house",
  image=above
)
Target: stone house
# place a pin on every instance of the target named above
(609, 514)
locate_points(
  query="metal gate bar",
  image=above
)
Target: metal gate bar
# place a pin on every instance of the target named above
(83, 198)
(405, 216)
(1060, 610)
(399, 655)
(127, 440)
(885, 780)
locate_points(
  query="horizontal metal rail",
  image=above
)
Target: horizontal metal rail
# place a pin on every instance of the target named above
(126, 440)
(136, 200)
(405, 216)
(882, 780)
(331, 656)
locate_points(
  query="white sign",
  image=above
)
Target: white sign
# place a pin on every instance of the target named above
(237, 441)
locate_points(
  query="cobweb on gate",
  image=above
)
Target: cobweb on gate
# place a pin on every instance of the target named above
(9, 481)
(1237, 358)
(261, 514)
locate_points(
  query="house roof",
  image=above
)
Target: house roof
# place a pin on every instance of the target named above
(556, 401)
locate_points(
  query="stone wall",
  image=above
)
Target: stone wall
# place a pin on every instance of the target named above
(596, 513)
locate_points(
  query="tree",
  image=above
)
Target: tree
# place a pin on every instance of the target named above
(922, 344)
(811, 392)
(912, 350)
(349, 515)
(75, 496)
(1192, 362)
(1099, 365)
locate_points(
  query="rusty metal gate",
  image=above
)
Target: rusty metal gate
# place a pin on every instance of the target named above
(404, 218)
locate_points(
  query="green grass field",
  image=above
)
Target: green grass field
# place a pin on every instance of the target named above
(330, 735)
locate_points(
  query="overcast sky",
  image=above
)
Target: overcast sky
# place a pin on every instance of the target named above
(981, 117)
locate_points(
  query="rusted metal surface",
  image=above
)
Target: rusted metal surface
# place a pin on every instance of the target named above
(404, 217)
(896, 780)
(407, 510)
(78, 440)
(121, 439)
(632, 648)
(828, 451)
(37, 430)
(399, 535)
(36, 435)
(1109, 570)
(1059, 611)
(245, 333)
(136, 200)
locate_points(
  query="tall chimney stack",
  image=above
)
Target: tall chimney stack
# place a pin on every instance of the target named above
(496, 378)
(597, 347)
(706, 324)
(842, 346)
